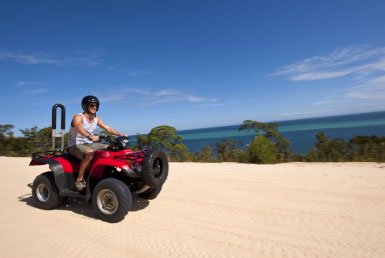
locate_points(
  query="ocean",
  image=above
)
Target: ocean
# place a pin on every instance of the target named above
(301, 132)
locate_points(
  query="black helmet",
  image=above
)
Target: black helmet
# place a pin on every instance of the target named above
(89, 99)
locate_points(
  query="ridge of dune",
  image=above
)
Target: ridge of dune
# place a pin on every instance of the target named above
(210, 210)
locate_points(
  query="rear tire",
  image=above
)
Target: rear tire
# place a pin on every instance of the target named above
(150, 194)
(155, 168)
(45, 193)
(111, 200)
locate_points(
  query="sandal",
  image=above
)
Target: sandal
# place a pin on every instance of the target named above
(80, 185)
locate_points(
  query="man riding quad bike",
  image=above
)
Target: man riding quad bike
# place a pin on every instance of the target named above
(112, 176)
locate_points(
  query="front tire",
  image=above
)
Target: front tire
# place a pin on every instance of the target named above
(111, 200)
(151, 193)
(45, 193)
(155, 168)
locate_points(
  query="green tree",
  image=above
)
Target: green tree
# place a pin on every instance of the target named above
(321, 148)
(141, 142)
(164, 137)
(262, 150)
(338, 150)
(325, 150)
(367, 148)
(43, 140)
(30, 139)
(271, 132)
(6, 130)
(5, 134)
(179, 152)
(15, 147)
(229, 150)
(33, 140)
(205, 155)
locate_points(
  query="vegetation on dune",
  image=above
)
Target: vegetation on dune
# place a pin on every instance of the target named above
(262, 151)
(359, 148)
(33, 140)
(269, 146)
(164, 137)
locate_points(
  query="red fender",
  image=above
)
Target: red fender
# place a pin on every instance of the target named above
(97, 168)
(67, 166)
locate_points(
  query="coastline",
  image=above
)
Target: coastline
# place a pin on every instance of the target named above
(300, 132)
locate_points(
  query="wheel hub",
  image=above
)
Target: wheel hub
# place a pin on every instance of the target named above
(157, 168)
(107, 202)
(42, 192)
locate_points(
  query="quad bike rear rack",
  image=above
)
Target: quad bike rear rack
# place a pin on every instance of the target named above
(47, 154)
(63, 125)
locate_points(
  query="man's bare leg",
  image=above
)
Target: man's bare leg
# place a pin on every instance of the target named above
(88, 156)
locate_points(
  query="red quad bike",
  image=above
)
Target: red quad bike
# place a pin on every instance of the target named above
(114, 174)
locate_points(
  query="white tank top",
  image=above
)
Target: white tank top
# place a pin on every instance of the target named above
(76, 138)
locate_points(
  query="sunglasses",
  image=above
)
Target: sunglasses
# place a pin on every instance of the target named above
(92, 105)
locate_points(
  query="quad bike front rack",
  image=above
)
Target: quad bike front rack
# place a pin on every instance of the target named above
(63, 125)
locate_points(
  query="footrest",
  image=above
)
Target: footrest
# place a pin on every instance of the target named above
(72, 194)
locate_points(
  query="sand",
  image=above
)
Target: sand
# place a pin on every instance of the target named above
(209, 210)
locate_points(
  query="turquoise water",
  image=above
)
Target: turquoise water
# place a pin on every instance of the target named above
(320, 126)
(215, 134)
(189, 135)
(300, 132)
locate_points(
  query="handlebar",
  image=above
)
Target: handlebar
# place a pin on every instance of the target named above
(116, 144)
(104, 138)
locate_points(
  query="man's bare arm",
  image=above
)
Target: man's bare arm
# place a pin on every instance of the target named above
(108, 129)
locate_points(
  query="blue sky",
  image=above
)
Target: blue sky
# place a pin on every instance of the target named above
(190, 64)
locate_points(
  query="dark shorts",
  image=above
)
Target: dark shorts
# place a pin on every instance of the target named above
(78, 150)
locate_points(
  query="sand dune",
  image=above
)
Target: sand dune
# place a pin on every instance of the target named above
(210, 210)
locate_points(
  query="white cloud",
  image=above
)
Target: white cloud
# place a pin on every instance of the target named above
(373, 89)
(84, 57)
(319, 75)
(331, 101)
(36, 58)
(112, 98)
(198, 99)
(167, 92)
(380, 79)
(211, 104)
(130, 90)
(370, 95)
(294, 114)
(149, 98)
(362, 67)
(35, 91)
(341, 62)
(79, 57)
(175, 98)
(23, 83)
(131, 72)
(195, 99)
